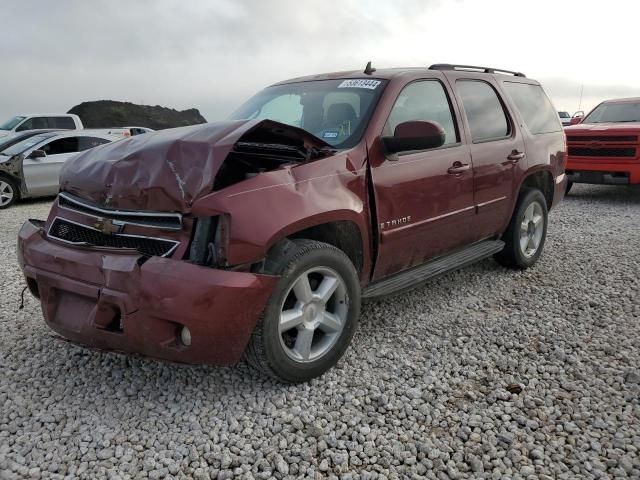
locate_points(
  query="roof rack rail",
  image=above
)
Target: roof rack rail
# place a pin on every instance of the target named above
(447, 66)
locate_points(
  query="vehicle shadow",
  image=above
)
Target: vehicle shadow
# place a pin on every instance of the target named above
(614, 194)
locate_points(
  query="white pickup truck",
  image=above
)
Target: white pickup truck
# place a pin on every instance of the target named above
(58, 121)
(40, 121)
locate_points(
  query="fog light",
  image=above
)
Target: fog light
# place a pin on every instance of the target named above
(185, 336)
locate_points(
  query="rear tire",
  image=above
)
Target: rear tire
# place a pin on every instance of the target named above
(9, 192)
(527, 231)
(312, 314)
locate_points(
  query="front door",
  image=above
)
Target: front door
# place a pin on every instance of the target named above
(497, 151)
(42, 175)
(423, 199)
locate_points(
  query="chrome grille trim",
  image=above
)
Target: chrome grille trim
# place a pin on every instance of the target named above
(161, 220)
(57, 219)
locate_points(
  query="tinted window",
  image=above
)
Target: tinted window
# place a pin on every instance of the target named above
(60, 146)
(537, 112)
(484, 111)
(85, 143)
(564, 115)
(427, 101)
(33, 123)
(62, 122)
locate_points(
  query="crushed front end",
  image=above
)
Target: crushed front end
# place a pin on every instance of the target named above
(131, 290)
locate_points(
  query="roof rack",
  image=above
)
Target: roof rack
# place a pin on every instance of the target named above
(447, 66)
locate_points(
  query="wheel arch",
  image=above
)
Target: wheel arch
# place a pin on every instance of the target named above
(540, 179)
(345, 234)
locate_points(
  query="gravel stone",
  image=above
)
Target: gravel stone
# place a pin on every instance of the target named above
(483, 373)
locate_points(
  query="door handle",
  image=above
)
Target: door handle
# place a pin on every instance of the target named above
(515, 156)
(457, 168)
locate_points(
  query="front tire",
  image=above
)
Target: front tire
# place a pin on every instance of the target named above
(312, 314)
(9, 192)
(527, 231)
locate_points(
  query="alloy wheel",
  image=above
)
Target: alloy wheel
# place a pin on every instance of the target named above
(6, 193)
(313, 314)
(531, 229)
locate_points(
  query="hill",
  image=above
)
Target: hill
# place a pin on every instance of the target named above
(109, 113)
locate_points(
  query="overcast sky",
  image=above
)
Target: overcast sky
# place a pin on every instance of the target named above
(212, 54)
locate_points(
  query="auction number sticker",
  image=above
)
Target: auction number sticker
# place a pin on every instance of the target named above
(360, 83)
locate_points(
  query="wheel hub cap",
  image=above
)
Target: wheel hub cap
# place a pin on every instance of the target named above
(531, 229)
(313, 314)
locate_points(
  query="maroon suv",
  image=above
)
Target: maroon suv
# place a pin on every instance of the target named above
(259, 236)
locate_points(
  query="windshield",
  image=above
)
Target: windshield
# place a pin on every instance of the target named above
(614, 112)
(20, 147)
(337, 111)
(564, 115)
(10, 124)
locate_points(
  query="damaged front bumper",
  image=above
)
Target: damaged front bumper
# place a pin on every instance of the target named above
(118, 301)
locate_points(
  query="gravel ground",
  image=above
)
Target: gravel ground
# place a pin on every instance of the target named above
(484, 373)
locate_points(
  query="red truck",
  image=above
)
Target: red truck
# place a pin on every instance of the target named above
(604, 147)
(259, 236)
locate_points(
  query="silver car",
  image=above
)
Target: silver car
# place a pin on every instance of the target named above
(31, 168)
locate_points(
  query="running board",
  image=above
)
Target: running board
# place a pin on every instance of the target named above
(415, 276)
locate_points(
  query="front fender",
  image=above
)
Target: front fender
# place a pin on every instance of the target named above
(270, 206)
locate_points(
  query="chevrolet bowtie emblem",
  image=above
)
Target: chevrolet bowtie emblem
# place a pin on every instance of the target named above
(108, 226)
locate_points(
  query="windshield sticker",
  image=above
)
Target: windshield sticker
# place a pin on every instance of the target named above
(332, 134)
(360, 83)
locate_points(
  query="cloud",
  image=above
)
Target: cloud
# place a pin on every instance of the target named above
(213, 54)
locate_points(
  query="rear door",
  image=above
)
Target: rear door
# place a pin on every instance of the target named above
(497, 151)
(42, 174)
(423, 208)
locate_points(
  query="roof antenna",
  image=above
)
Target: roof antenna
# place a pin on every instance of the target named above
(368, 70)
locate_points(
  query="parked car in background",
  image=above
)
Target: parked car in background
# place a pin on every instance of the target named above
(577, 117)
(565, 118)
(259, 236)
(604, 148)
(39, 121)
(31, 167)
(63, 121)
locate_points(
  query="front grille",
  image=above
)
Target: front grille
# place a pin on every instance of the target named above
(602, 138)
(165, 221)
(601, 152)
(77, 234)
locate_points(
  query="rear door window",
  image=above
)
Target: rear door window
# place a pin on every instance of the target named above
(85, 143)
(485, 114)
(61, 146)
(425, 100)
(537, 112)
(65, 123)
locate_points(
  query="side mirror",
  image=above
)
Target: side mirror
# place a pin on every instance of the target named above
(414, 135)
(575, 120)
(37, 154)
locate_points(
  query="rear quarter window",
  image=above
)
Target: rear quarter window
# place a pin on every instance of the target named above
(66, 123)
(534, 106)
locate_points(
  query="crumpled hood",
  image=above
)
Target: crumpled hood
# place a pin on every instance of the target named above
(165, 170)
